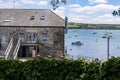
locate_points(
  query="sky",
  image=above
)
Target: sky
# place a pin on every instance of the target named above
(80, 11)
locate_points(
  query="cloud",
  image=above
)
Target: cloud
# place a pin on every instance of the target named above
(101, 19)
(101, 13)
(34, 2)
(77, 18)
(60, 11)
(97, 1)
(43, 3)
(28, 2)
(7, 4)
(97, 8)
(106, 18)
(23, 3)
(74, 6)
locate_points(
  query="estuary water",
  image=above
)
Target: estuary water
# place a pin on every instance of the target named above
(94, 45)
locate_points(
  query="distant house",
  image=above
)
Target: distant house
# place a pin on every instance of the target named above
(30, 32)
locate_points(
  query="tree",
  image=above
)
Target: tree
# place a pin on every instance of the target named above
(115, 13)
(56, 3)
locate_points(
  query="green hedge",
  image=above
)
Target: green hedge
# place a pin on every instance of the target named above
(51, 69)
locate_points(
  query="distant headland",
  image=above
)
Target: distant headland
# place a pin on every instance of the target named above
(73, 25)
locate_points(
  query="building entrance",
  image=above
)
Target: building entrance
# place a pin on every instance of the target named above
(27, 51)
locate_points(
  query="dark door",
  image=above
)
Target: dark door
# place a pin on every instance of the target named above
(0, 43)
(23, 51)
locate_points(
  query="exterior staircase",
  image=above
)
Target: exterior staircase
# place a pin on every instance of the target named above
(10, 56)
(12, 50)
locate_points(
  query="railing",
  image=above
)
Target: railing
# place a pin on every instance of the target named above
(15, 53)
(86, 58)
(68, 56)
(7, 51)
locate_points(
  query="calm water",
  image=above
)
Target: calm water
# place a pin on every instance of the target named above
(93, 44)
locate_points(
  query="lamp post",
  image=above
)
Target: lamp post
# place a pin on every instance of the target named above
(108, 42)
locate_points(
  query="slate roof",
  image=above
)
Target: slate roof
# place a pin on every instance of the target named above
(30, 17)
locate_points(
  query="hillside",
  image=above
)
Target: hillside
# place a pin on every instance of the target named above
(93, 26)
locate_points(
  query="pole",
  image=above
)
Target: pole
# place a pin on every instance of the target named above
(13, 4)
(108, 38)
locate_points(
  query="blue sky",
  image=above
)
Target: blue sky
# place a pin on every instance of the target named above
(81, 11)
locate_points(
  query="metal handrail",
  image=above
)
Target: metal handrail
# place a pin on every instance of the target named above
(7, 51)
(79, 57)
(16, 49)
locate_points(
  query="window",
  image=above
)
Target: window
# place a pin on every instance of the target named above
(42, 17)
(31, 37)
(1, 34)
(21, 34)
(34, 35)
(44, 34)
(32, 18)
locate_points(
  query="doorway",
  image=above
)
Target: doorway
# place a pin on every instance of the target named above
(27, 51)
(22, 51)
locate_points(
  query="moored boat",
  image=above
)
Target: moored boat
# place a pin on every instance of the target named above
(78, 43)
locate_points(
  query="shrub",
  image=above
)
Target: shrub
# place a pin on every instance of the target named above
(111, 69)
(52, 69)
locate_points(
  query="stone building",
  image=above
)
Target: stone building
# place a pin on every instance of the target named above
(30, 32)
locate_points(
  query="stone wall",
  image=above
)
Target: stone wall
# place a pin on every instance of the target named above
(49, 40)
